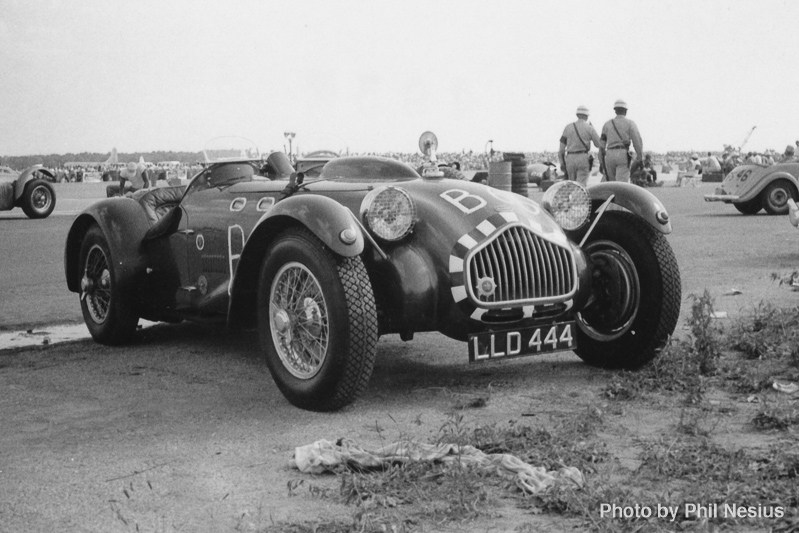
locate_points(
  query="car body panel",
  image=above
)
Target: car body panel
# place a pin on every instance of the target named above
(746, 182)
(637, 200)
(124, 223)
(207, 266)
(20, 179)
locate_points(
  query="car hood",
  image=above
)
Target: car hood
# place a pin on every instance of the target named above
(455, 208)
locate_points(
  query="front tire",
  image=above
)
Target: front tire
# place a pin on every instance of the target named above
(752, 207)
(317, 322)
(636, 294)
(776, 195)
(38, 199)
(106, 310)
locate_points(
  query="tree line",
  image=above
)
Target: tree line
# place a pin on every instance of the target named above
(58, 160)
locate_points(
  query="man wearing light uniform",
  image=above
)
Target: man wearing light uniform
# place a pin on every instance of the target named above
(575, 147)
(614, 144)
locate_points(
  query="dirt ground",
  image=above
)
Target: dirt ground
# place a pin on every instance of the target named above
(185, 430)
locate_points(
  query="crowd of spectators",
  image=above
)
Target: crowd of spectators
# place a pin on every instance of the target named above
(718, 161)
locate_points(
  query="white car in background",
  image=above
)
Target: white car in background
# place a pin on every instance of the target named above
(30, 189)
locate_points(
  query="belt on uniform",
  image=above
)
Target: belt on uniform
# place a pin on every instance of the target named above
(617, 148)
(579, 152)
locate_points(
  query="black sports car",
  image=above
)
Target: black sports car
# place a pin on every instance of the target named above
(322, 267)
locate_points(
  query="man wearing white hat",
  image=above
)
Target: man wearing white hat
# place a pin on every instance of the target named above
(131, 178)
(617, 135)
(575, 147)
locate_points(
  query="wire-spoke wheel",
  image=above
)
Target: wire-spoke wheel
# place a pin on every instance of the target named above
(107, 312)
(95, 286)
(298, 320)
(317, 322)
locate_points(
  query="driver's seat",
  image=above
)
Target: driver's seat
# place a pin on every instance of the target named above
(157, 202)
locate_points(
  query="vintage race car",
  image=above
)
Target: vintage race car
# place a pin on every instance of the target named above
(751, 188)
(30, 189)
(322, 267)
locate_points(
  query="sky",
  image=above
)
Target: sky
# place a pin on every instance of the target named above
(372, 75)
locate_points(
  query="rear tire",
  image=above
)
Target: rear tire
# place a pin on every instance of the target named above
(637, 293)
(108, 312)
(38, 199)
(776, 195)
(317, 322)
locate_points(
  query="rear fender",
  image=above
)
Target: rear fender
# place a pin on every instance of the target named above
(124, 225)
(636, 200)
(323, 216)
(25, 177)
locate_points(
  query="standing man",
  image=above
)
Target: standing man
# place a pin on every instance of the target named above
(575, 147)
(614, 144)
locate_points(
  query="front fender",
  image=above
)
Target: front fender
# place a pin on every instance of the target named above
(323, 216)
(25, 177)
(124, 225)
(326, 218)
(635, 199)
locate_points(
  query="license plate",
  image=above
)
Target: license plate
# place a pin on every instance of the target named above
(519, 342)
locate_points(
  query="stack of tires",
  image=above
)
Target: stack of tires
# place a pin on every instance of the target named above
(519, 176)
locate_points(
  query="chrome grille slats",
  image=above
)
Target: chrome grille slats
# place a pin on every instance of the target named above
(556, 274)
(510, 281)
(518, 254)
(541, 258)
(526, 269)
(528, 252)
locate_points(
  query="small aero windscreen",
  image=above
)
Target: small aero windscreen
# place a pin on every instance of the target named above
(367, 169)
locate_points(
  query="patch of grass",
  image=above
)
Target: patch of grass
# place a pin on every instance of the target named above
(776, 415)
(767, 331)
(683, 365)
(570, 442)
(686, 470)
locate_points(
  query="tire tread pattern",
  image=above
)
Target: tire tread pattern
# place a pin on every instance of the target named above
(670, 302)
(363, 330)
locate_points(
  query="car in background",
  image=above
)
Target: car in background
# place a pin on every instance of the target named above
(322, 267)
(311, 164)
(30, 189)
(750, 188)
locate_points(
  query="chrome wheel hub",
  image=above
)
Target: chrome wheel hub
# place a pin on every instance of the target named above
(40, 198)
(299, 320)
(616, 295)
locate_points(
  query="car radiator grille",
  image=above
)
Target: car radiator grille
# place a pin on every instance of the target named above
(523, 267)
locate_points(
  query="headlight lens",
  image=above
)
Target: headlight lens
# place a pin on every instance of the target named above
(389, 212)
(569, 203)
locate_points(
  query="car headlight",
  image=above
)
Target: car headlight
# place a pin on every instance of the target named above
(569, 203)
(389, 212)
